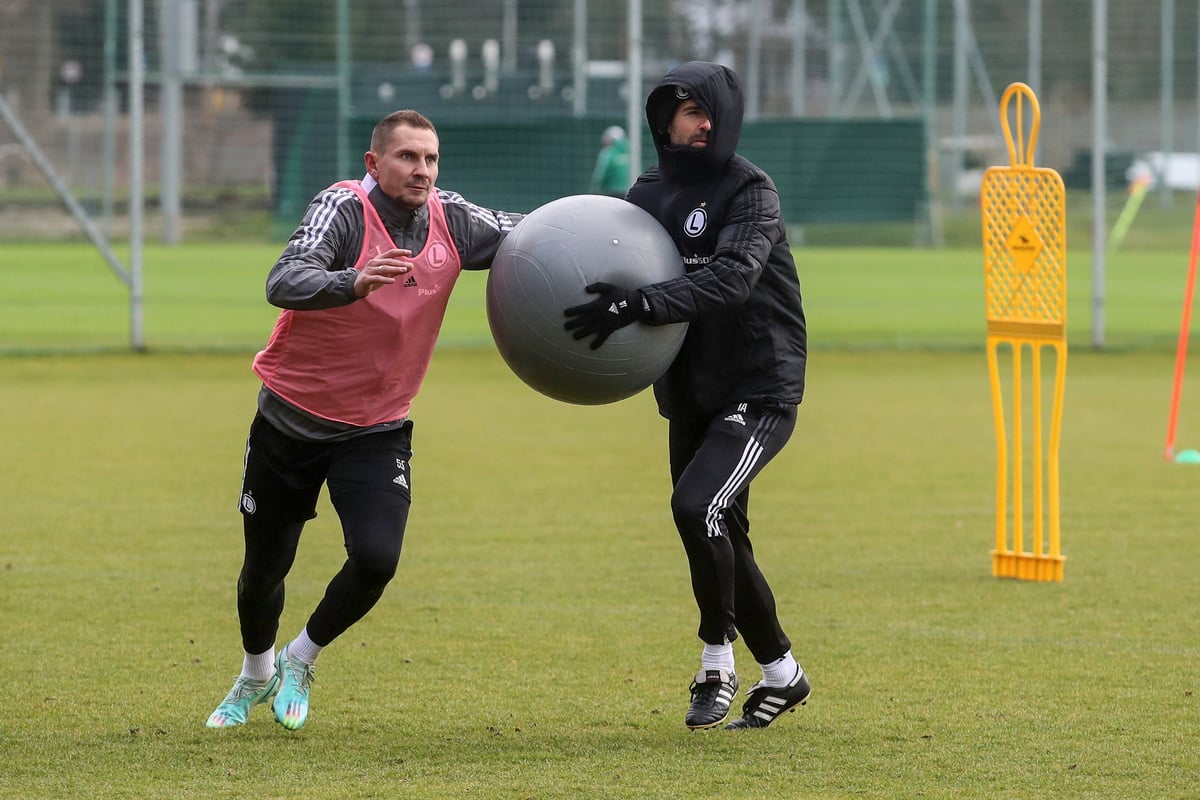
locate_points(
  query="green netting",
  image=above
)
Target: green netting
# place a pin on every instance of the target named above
(826, 170)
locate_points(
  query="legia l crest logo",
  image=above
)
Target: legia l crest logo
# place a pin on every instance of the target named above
(438, 255)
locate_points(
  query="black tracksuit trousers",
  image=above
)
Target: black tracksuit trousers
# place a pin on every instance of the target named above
(713, 461)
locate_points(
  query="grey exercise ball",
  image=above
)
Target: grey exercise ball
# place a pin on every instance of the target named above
(541, 269)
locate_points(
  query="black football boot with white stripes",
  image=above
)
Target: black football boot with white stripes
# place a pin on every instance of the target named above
(765, 704)
(712, 694)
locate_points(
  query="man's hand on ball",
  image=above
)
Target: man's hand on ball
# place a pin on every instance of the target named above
(383, 268)
(612, 310)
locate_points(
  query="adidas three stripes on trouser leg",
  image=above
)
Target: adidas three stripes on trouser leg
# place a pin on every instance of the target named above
(713, 462)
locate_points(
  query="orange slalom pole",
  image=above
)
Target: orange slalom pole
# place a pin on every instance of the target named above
(1184, 333)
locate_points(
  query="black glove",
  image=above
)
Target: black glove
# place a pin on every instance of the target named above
(612, 310)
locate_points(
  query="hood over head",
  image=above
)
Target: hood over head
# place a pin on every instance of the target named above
(717, 89)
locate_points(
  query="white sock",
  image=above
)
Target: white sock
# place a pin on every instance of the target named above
(304, 649)
(782, 671)
(717, 656)
(259, 666)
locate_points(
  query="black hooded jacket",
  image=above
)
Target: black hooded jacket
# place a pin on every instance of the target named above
(747, 339)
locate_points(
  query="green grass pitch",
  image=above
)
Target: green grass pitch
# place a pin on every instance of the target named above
(539, 637)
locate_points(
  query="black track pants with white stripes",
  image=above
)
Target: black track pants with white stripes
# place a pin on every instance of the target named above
(713, 462)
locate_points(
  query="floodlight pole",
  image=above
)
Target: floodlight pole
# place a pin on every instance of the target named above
(835, 67)
(798, 26)
(1035, 46)
(173, 33)
(343, 89)
(109, 144)
(633, 107)
(137, 46)
(579, 58)
(1099, 198)
(758, 11)
(1166, 97)
(930, 232)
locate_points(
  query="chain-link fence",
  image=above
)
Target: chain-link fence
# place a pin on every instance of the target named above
(863, 110)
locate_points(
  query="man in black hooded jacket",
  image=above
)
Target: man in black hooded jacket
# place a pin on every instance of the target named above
(732, 392)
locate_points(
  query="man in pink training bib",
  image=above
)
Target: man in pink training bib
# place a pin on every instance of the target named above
(363, 284)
